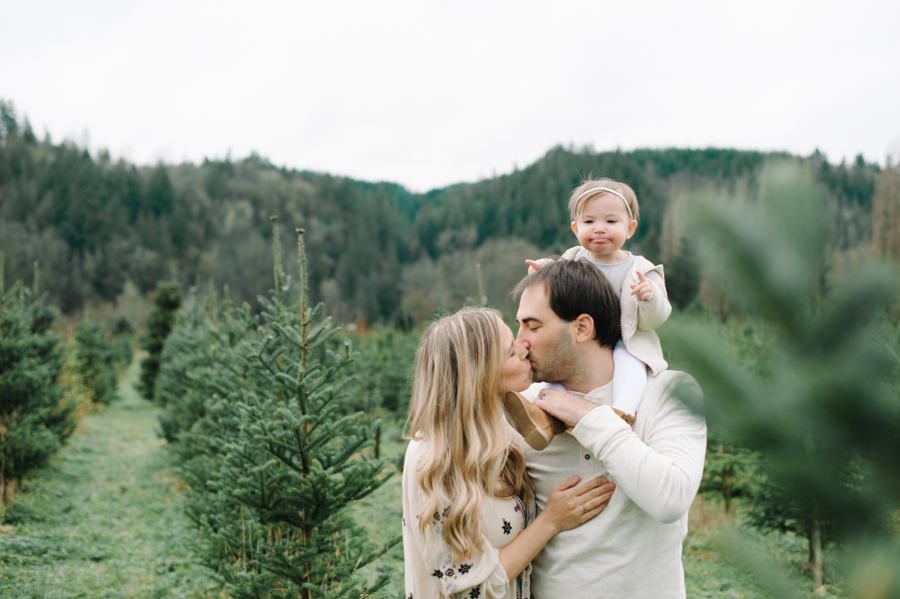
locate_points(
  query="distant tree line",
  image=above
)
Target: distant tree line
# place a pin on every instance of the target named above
(95, 224)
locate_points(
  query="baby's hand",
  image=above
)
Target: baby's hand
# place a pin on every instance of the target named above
(533, 266)
(643, 288)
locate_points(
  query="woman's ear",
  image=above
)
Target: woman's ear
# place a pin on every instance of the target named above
(584, 328)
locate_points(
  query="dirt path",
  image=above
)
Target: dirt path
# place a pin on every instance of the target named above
(105, 520)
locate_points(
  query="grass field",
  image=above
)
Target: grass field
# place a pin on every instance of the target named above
(105, 520)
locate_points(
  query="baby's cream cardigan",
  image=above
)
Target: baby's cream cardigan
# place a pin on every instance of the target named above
(639, 318)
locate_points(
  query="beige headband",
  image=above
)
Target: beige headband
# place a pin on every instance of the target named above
(612, 191)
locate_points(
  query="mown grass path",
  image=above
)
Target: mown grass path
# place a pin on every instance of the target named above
(105, 519)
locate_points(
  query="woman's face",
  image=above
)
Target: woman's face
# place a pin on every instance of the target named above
(515, 375)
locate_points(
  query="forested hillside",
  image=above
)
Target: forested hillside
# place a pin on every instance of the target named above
(101, 228)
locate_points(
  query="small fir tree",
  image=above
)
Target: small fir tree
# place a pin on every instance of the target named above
(96, 360)
(729, 472)
(296, 462)
(34, 416)
(257, 407)
(159, 325)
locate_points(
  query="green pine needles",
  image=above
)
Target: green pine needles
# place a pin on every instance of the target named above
(159, 325)
(34, 416)
(272, 454)
(819, 394)
(97, 360)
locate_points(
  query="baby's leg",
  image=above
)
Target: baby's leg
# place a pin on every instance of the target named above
(629, 380)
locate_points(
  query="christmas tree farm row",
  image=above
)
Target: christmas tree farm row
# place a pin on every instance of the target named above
(46, 378)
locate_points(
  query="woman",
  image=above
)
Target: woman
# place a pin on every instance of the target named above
(468, 525)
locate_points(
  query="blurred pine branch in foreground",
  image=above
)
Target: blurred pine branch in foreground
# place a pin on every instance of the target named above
(821, 401)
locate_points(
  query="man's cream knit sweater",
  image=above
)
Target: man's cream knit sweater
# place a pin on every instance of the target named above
(633, 548)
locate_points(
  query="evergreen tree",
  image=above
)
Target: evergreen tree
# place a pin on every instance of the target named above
(160, 197)
(296, 463)
(197, 364)
(159, 325)
(683, 275)
(822, 406)
(729, 472)
(96, 360)
(257, 407)
(34, 417)
(886, 212)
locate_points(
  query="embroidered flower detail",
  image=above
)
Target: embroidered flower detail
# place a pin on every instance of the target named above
(436, 517)
(403, 520)
(464, 568)
(449, 573)
(507, 527)
(438, 574)
(521, 507)
(446, 512)
(476, 592)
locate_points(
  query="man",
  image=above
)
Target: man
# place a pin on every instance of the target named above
(569, 321)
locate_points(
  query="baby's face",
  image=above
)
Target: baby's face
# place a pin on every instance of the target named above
(603, 227)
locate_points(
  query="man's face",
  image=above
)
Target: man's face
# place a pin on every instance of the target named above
(548, 339)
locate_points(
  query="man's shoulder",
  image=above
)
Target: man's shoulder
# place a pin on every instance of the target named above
(675, 385)
(667, 377)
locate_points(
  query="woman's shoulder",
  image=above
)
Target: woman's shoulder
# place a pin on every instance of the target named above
(416, 449)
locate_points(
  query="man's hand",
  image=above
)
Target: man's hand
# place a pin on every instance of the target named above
(643, 288)
(560, 404)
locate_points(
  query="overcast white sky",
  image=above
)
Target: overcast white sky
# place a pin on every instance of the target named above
(432, 93)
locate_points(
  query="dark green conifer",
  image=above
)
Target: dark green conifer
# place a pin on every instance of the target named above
(34, 417)
(296, 463)
(159, 325)
(96, 359)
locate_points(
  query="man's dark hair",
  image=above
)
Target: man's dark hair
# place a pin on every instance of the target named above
(576, 288)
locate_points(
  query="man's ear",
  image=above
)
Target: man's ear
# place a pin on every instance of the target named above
(584, 328)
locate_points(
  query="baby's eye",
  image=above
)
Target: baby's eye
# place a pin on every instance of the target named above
(611, 221)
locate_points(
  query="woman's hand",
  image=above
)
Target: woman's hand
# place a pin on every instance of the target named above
(571, 504)
(568, 506)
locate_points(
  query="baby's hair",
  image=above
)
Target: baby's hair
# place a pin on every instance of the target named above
(580, 196)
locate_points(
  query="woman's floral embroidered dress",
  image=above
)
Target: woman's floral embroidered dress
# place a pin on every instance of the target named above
(431, 571)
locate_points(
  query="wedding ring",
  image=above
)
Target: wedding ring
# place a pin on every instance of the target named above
(541, 396)
(583, 511)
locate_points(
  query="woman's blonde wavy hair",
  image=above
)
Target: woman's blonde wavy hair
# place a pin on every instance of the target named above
(456, 408)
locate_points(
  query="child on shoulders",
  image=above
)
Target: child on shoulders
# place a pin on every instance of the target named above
(604, 216)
